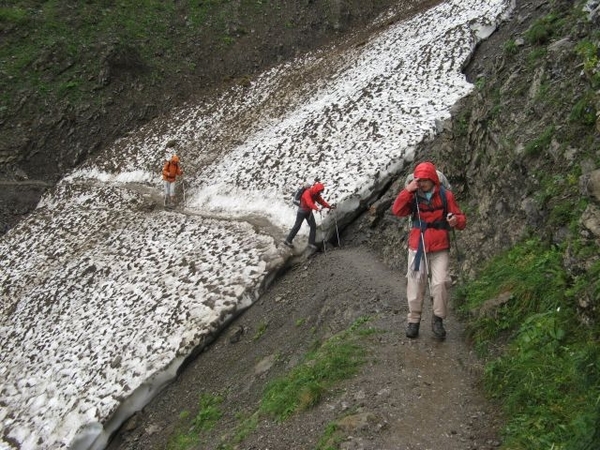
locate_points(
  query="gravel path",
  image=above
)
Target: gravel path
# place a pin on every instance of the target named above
(411, 394)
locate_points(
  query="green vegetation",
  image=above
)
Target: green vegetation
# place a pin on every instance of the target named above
(58, 49)
(330, 439)
(547, 378)
(541, 143)
(206, 418)
(336, 359)
(530, 312)
(480, 83)
(262, 328)
(535, 56)
(584, 111)
(543, 29)
(510, 47)
(462, 127)
(246, 425)
(589, 52)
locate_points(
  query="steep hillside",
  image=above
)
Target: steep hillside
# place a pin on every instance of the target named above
(75, 77)
(522, 153)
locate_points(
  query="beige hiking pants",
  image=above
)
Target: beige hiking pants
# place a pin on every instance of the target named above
(417, 285)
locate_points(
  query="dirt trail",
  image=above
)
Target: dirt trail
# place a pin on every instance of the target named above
(411, 394)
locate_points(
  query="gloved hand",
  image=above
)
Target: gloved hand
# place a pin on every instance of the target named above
(452, 220)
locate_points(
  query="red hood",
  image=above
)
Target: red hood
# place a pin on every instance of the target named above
(427, 170)
(317, 188)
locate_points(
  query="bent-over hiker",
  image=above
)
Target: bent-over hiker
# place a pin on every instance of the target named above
(171, 170)
(434, 213)
(309, 202)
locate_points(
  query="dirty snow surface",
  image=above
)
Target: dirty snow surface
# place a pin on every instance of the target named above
(105, 292)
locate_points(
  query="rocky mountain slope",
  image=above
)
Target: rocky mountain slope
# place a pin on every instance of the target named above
(68, 105)
(522, 153)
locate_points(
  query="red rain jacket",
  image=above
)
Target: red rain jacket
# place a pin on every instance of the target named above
(312, 196)
(431, 211)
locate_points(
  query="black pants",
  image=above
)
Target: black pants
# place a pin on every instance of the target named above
(310, 219)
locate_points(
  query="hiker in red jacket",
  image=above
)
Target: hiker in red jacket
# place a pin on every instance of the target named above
(434, 212)
(171, 170)
(309, 202)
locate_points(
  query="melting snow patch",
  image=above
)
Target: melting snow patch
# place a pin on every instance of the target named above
(104, 293)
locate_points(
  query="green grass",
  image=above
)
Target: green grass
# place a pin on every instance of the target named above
(336, 359)
(510, 47)
(547, 378)
(588, 51)
(207, 416)
(533, 280)
(331, 438)
(56, 49)
(543, 29)
(261, 330)
(549, 384)
(584, 111)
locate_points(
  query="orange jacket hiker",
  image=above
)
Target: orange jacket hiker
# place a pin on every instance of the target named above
(171, 169)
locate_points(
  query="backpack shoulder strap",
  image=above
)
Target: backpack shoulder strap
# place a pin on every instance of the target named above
(444, 199)
(443, 196)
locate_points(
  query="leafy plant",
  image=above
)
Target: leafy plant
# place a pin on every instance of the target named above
(588, 51)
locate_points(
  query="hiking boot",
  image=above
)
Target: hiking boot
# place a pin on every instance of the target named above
(288, 244)
(437, 326)
(412, 330)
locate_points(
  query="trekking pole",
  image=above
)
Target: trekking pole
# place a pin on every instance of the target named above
(337, 231)
(183, 187)
(423, 244)
(458, 256)
(324, 237)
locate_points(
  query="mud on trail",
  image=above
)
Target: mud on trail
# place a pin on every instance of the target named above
(410, 394)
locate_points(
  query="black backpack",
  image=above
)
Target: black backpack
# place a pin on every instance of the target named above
(298, 195)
